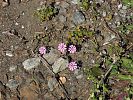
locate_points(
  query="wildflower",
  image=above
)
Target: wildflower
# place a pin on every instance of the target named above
(62, 47)
(42, 50)
(72, 49)
(72, 66)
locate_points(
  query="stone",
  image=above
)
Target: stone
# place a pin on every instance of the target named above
(5, 3)
(52, 56)
(109, 38)
(78, 17)
(12, 68)
(9, 53)
(31, 63)
(60, 65)
(52, 83)
(64, 4)
(75, 1)
(12, 84)
(62, 18)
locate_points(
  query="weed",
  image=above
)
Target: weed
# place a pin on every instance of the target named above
(46, 13)
(79, 35)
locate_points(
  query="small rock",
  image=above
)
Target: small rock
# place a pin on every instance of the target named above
(52, 56)
(78, 17)
(59, 65)
(109, 38)
(63, 80)
(12, 68)
(12, 84)
(62, 11)
(5, 3)
(31, 63)
(104, 14)
(62, 18)
(75, 1)
(52, 83)
(124, 7)
(78, 74)
(64, 4)
(119, 6)
(9, 53)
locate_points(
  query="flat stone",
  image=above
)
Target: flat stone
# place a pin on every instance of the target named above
(78, 17)
(12, 84)
(59, 65)
(52, 83)
(62, 18)
(75, 1)
(9, 53)
(31, 63)
(52, 56)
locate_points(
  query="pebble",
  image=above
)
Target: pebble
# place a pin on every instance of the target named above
(78, 17)
(64, 4)
(60, 65)
(104, 14)
(31, 63)
(52, 56)
(12, 84)
(119, 6)
(52, 83)
(5, 3)
(22, 26)
(75, 1)
(124, 7)
(62, 18)
(12, 68)
(9, 53)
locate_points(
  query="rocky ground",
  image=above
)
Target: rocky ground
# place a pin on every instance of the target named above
(27, 75)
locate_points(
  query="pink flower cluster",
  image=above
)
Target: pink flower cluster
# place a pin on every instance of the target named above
(42, 50)
(62, 48)
(72, 65)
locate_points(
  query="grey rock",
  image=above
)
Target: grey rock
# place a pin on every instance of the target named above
(62, 11)
(52, 56)
(31, 63)
(75, 1)
(64, 4)
(5, 3)
(52, 83)
(59, 65)
(12, 84)
(12, 68)
(78, 17)
(78, 74)
(62, 18)
(108, 38)
(9, 53)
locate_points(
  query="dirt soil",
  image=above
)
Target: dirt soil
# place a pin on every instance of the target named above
(19, 28)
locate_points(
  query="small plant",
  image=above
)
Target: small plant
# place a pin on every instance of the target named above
(79, 35)
(128, 3)
(46, 13)
(85, 4)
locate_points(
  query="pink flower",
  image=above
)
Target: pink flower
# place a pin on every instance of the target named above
(72, 49)
(72, 66)
(62, 47)
(42, 50)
